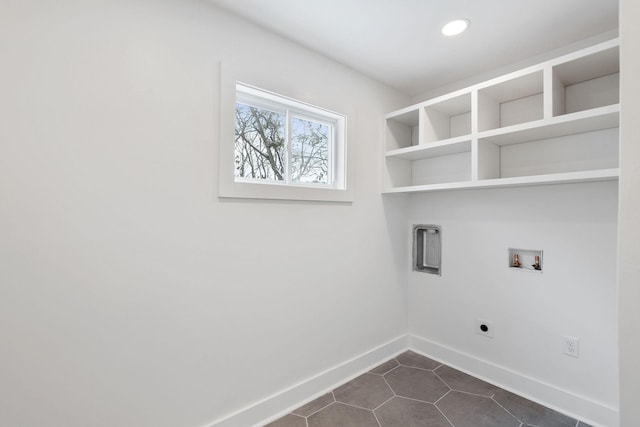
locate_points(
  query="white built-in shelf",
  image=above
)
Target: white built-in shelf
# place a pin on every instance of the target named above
(434, 149)
(555, 122)
(558, 178)
(569, 124)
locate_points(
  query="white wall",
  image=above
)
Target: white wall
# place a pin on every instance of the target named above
(130, 295)
(629, 226)
(575, 226)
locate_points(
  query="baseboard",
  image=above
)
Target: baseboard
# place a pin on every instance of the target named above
(592, 412)
(283, 402)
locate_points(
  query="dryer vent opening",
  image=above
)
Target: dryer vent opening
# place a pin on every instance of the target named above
(427, 249)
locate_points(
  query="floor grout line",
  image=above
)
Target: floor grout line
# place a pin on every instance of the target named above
(445, 417)
(417, 367)
(377, 420)
(443, 396)
(387, 371)
(415, 400)
(507, 411)
(472, 394)
(394, 395)
(443, 381)
(391, 370)
(325, 406)
(389, 385)
(354, 406)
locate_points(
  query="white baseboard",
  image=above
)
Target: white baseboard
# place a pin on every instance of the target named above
(283, 402)
(592, 412)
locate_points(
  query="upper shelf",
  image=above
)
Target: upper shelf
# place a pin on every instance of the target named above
(435, 149)
(568, 124)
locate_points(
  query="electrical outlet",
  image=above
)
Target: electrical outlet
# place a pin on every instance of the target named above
(484, 328)
(571, 346)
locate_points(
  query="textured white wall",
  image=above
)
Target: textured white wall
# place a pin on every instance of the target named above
(129, 294)
(575, 225)
(629, 225)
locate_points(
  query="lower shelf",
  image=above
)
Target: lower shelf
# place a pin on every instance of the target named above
(520, 181)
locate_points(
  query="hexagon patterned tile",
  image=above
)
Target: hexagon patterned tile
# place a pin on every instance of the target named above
(412, 390)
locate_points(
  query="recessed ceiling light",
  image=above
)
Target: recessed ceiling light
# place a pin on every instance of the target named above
(455, 27)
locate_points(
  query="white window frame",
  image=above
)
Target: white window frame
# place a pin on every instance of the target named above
(231, 186)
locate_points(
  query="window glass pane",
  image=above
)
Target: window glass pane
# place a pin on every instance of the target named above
(309, 151)
(260, 143)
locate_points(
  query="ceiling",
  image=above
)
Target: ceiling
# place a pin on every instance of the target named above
(398, 42)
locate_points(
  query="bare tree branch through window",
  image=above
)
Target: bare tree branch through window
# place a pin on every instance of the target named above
(264, 151)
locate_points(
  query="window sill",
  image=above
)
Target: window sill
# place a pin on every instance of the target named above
(247, 190)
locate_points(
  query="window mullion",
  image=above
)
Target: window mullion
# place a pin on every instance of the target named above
(287, 160)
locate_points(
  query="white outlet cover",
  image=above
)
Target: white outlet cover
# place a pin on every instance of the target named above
(488, 323)
(572, 346)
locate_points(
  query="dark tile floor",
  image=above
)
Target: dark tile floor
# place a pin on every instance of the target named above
(414, 391)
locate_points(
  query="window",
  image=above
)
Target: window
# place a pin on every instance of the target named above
(280, 141)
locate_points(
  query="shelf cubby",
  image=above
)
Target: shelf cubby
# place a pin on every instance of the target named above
(569, 153)
(448, 161)
(448, 118)
(506, 103)
(402, 129)
(442, 169)
(586, 82)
